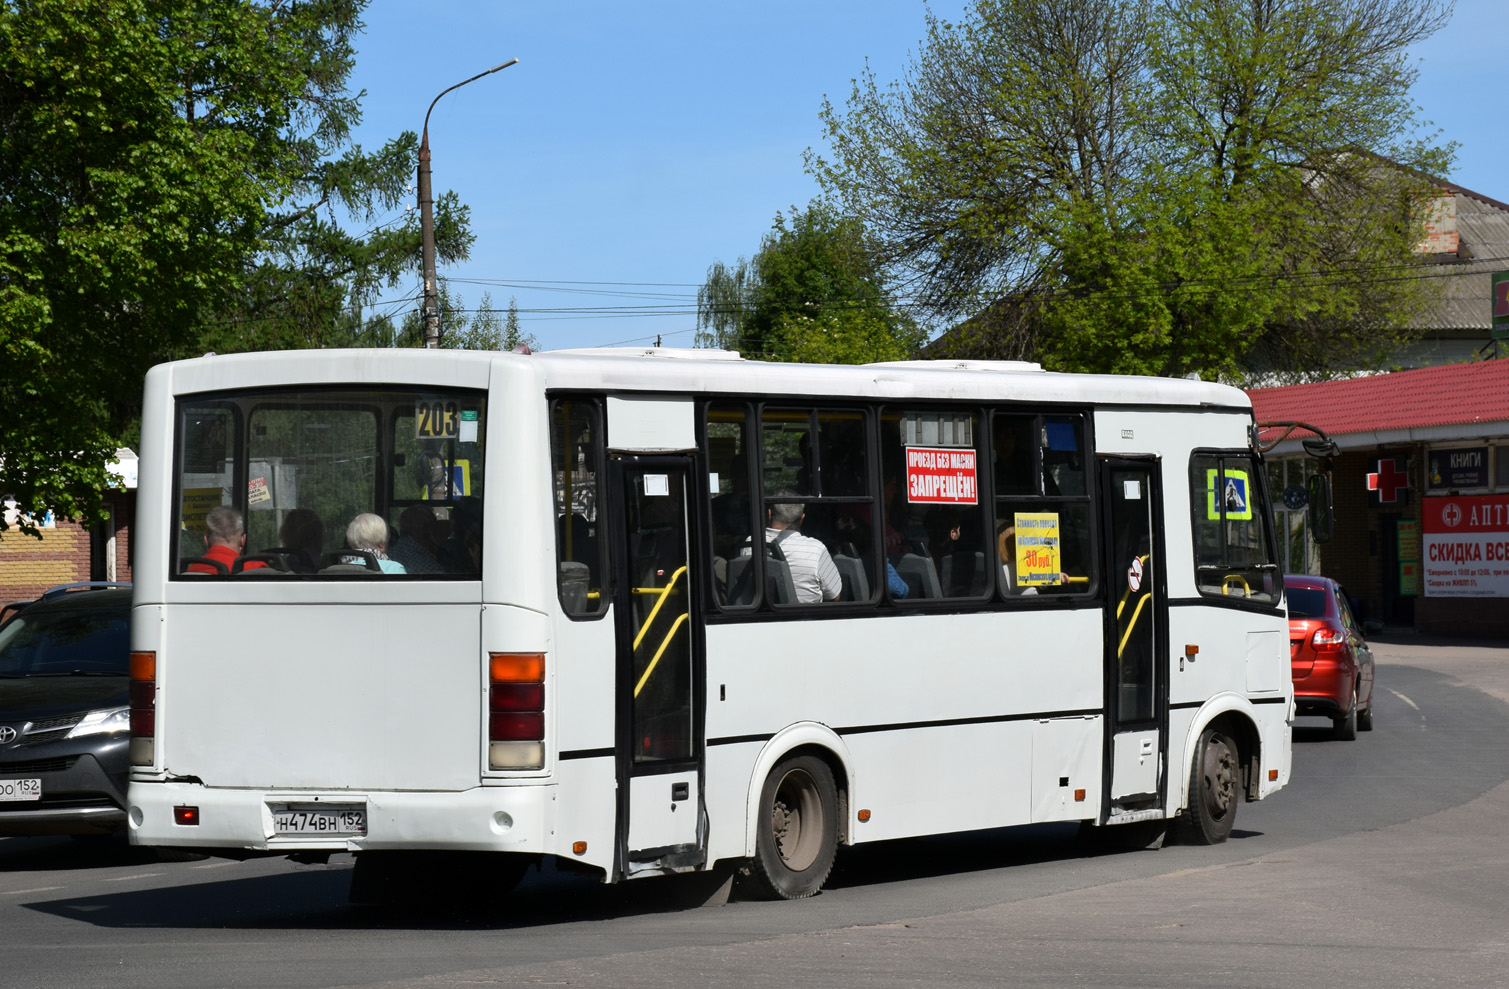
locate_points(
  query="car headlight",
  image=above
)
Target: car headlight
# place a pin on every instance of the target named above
(113, 721)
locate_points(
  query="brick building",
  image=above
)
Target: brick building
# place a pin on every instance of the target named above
(1421, 492)
(68, 552)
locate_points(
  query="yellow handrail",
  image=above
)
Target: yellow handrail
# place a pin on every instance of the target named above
(664, 593)
(1226, 582)
(675, 627)
(1136, 614)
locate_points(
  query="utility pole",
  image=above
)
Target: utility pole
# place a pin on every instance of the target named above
(427, 216)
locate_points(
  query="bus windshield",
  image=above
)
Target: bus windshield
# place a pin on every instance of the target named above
(330, 482)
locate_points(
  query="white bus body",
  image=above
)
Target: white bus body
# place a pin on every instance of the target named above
(280, 711)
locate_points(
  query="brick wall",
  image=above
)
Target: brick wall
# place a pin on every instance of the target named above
(64, 555)
(29, 566)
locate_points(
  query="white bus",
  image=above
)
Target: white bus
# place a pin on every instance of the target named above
(1057, 601)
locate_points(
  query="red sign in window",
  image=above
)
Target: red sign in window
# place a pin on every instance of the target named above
(941, 476)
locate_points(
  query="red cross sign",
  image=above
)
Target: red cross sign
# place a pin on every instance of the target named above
(1388, 480)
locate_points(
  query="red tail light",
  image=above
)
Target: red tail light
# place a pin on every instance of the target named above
(517, 727)
(143, 695)
(516, 710)
(1328, 639)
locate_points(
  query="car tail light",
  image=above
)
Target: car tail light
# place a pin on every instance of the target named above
(143, 692)
(1328, 639)
(516, 710)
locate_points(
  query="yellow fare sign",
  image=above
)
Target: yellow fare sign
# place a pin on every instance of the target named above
(1037, 548)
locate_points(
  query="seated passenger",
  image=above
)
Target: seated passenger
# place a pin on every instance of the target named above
(813, 571)
(304, 534)
(370, 533)
(894, 583)
(227, 541)
(416, 545)
(461, 551)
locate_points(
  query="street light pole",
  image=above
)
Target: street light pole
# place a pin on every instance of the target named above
(427, 216)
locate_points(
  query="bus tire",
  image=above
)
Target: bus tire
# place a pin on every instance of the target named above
(1214, 789)
(796, 835)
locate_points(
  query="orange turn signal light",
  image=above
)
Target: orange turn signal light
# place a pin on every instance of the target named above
(1273, 776)
(516, 667)
(864, 815)
(143, 665)
(579, 847)
(1079, 795)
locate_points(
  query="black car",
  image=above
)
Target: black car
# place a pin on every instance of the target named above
(64, 721)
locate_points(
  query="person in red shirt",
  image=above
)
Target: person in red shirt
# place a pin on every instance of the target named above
(227, 541)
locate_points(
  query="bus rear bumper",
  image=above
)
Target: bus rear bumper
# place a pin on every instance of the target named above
(518, 818)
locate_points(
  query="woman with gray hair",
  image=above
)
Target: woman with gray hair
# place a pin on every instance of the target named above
(369, 532)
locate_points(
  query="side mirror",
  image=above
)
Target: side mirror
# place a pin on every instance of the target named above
(1318, 498)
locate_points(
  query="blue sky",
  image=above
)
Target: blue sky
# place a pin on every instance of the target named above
(639, 143)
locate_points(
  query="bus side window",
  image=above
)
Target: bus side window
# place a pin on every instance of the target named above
(576, 457)
(935, 507)
(1043, 520)
(730, 509)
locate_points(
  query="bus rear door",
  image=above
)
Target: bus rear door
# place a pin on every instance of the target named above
(660, 718)
(1136, 623)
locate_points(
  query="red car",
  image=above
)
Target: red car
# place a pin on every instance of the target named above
(1330, 659)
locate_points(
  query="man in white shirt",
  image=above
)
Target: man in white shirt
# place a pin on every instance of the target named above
(812, 570)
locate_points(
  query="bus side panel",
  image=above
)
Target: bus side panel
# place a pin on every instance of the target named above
(582, 724)
(917, 776)
(1066, 774)
(958, 778)
(582, 660)
(1242, 653)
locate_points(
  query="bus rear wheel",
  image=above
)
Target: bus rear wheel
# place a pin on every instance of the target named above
(1214, 789)
(797, 832)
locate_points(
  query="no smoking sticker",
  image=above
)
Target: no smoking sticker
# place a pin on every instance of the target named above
(1134, 576)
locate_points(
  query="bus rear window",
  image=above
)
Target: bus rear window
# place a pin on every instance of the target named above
(330, 483)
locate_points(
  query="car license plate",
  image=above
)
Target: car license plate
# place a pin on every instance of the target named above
(20, 789)
(320, 821)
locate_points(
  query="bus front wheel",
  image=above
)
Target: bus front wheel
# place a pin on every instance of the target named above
(1214, 789)
(797, 832)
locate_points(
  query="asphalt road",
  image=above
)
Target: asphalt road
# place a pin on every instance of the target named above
(1384, 863)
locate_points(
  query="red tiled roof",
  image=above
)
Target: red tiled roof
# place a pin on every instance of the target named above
(1448, 395)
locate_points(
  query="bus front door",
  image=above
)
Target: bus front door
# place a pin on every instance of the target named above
(660, 722)
(1136, 623)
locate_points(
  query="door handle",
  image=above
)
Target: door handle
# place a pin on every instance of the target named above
(680, 791)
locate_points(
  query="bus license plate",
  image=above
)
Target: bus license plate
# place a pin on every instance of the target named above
(20, 789)
(326, 820)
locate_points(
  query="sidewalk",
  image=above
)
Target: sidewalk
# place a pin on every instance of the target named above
(1479, 664)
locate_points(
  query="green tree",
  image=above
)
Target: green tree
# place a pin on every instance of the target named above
(169, 172)
(812, 293)
(485, 330)
(1153, 186)
(462, 329)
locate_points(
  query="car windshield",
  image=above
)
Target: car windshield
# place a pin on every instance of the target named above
(1306, 602)
(63, 641)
